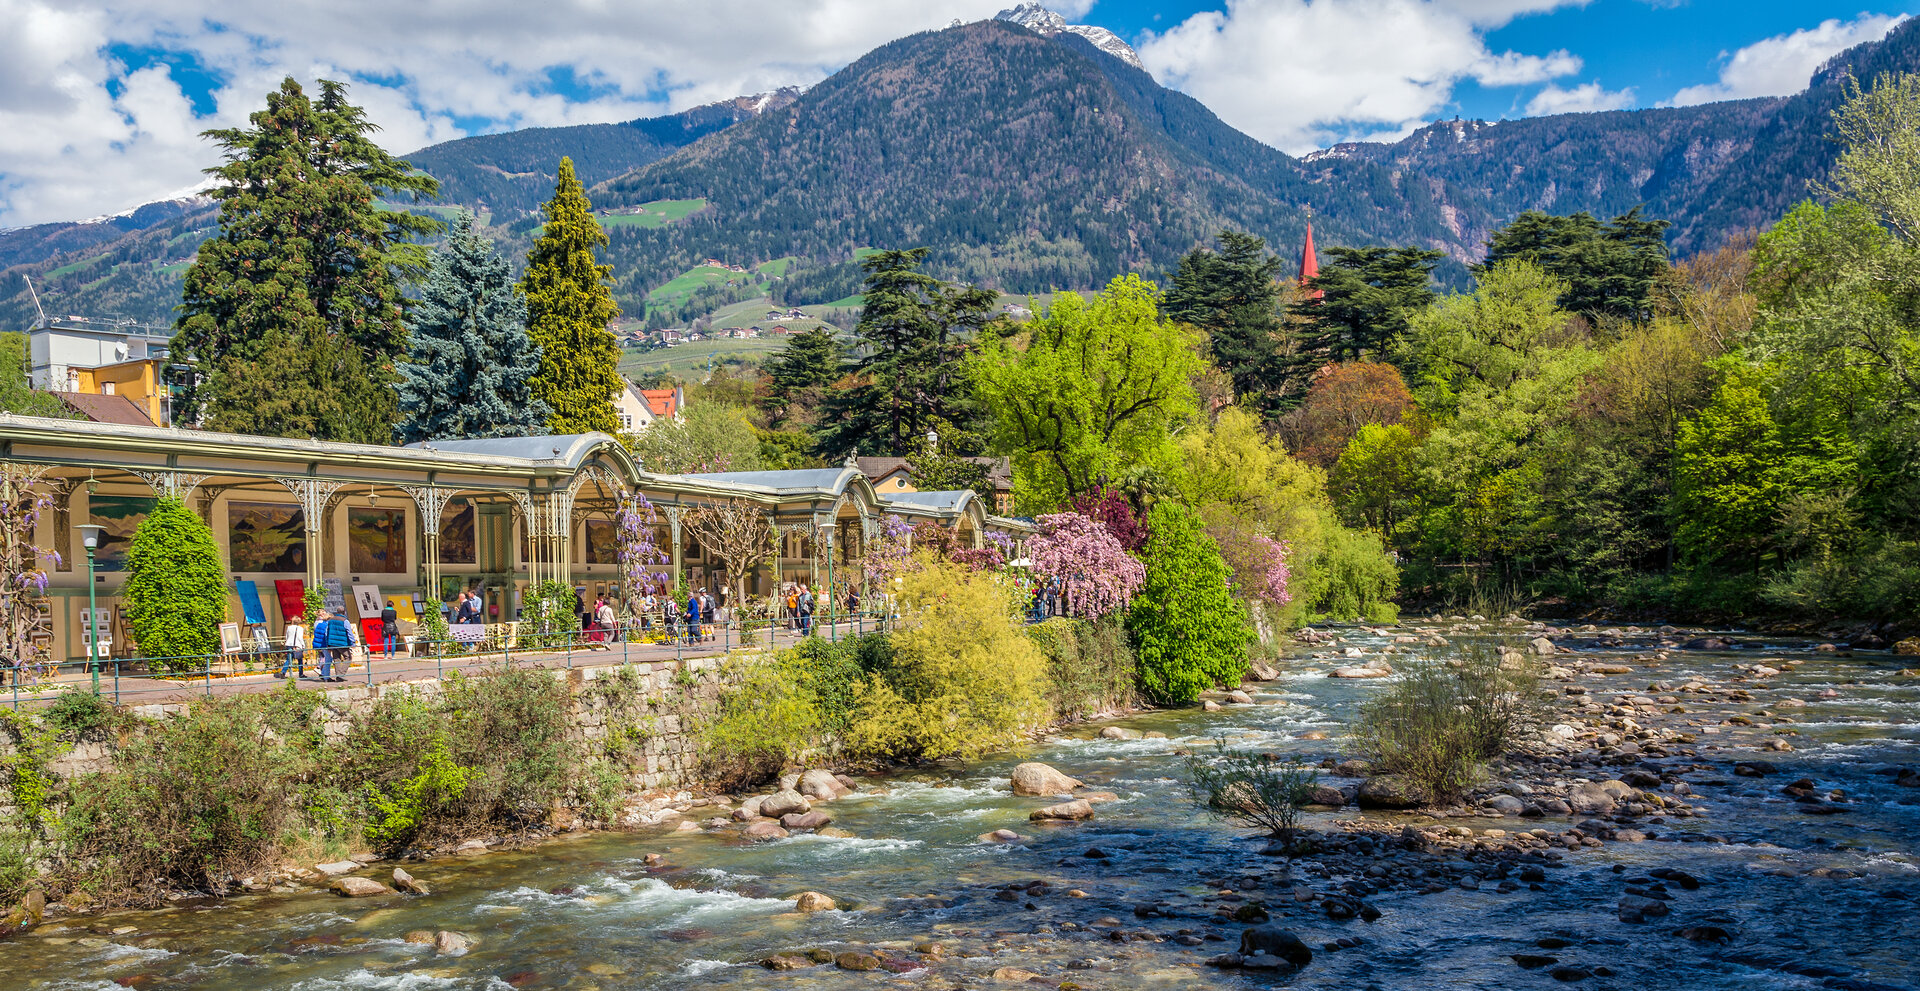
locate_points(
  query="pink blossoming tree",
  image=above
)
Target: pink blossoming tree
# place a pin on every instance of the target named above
(1095, 573)
(1271, 584)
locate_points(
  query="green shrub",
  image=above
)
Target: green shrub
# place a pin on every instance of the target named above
(1438, 721)
(77, 712)
(1090, 665)
(176, 587)
(1189, 631)
(765, 721)
(394, 816)
(963, 679)
(1258, 790)
(193, 801)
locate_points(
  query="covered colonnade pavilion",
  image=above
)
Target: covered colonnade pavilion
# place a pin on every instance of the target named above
(413, 525)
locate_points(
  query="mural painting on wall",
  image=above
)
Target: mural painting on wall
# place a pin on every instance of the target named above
(121, 515)
(377, 540)
(457, 544)
(603, 542)
(267, 536)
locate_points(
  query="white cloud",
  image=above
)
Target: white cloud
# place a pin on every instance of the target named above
(1584, 98)
(1784, 63)
(1302, 73)
(83, 136)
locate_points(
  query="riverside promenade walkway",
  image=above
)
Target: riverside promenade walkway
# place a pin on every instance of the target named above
(142, 688)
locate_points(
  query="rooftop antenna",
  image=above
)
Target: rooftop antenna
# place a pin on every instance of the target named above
(36, 301)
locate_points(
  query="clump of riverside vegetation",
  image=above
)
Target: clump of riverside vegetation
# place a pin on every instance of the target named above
(1440, 721)
(1259, 790)
(235, 785)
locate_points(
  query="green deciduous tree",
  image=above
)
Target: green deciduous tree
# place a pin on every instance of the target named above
(17, 394)
(292, 313)
(914, 336)
(1609, 268)
(1099, 387)
(1231, 295)
(1188, 630)
(176, 588)
(472, 358)
(569, 305)
(705, 437)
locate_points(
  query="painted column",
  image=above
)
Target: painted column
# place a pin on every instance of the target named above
(315, 495)
(679, 544)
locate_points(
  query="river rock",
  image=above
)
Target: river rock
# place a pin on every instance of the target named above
(470, 848)
(408, 883)
(1262, 671)
(760, 832)
(1706, 643)
(1506, 805)
(1634, 908)
(1380, 671)
(1065, 811)
(1541, 646)
(358, 887)
(1273, 941)
(448, 943)
(787, 961)
(1209, 705)
(805, 820)
(1239, 697)
(337, 869)
(856, 961)
(1327, 795)
(1000, 836)
(1910, 645)
(749, 810)
(1117, 733)
(835, 832)
(1391, 791)
(419, 937)
(814, 901)
(783, 802)
(1034, 778)
(1353, 652)
(1013, 975)
(1590, 799)
(821, 786)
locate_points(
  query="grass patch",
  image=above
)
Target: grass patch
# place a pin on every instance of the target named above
(657, 213)
(1439, 721)
(72, 267)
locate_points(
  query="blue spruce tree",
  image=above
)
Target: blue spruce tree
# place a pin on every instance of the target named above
(472, 358)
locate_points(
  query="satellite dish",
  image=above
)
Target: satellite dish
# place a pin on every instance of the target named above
(120, 350)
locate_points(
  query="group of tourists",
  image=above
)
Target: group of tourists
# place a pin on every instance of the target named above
(658, 612)
(332, 643)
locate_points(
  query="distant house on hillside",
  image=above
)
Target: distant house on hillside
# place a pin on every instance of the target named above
(893, 476)
(639, 408)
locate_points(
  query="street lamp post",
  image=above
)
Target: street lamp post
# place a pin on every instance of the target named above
(833, 596)
(90, 534)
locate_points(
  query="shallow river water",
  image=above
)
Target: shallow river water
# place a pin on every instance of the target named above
(1809, 901)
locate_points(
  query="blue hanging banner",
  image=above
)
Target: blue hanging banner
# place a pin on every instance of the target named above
(250, 600)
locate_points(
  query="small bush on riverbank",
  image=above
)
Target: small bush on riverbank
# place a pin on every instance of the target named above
(192, 801)
(1090, 665)
(1439, 720)
(1258, 790)
(1189, 631)
(963, 678)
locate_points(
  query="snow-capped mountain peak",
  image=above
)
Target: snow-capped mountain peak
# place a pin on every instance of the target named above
(1042, 21)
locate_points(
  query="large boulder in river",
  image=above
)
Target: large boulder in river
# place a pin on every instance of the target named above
(1117, 733)
(448, 943)
(1392, 791)
(813, 901)
(805, 820)
(784, 802)
(1064, 812)
(1262, 671)
(820, 786)
(760, 832)
(1910, 645)
(1541, 646)
(1375, 670)
(1034, 778)
(358, 887)
(1273, 941)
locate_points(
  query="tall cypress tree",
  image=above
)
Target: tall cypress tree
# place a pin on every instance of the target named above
(569, 304)
(292, 313)
(473, 363)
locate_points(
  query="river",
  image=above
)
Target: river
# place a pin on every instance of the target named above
(1807, 900)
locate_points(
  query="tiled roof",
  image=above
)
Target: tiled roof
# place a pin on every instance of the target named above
(659, 401)
(107, 409)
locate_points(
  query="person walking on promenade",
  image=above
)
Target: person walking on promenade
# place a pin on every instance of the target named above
(296, 648)
(389, 630)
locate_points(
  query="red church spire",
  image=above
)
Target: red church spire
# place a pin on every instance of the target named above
(1309, 262)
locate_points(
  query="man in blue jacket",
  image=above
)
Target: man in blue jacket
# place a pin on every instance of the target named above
(693, 616)
(333, 638)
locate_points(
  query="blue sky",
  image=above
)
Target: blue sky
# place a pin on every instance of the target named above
(103, 101)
